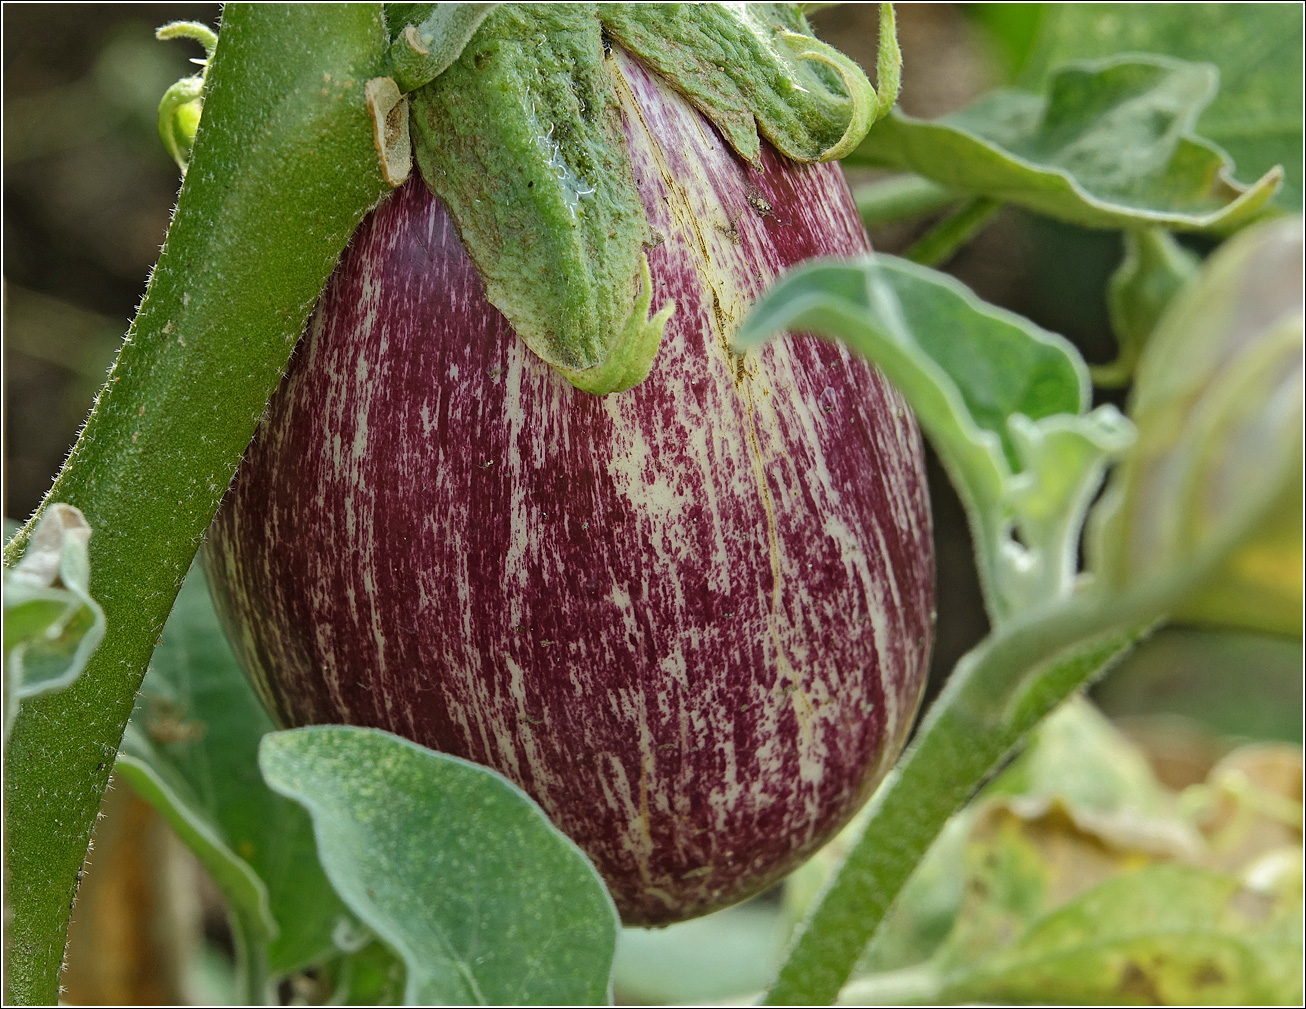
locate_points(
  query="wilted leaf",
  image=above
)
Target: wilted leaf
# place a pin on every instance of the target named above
(1164, 935)
(453, 866)
(1079, 775)
(1110, 145)
(51, 623)
(1250, 806)
(1083, 880)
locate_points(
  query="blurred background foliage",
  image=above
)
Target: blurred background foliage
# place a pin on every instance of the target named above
(88, 190)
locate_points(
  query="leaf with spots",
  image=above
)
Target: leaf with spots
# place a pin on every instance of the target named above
(1078, 878)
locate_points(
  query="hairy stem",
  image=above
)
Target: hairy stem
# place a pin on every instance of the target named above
(282, 172)
(998, 692)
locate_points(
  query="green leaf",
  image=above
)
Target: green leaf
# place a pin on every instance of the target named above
(52, 625)
(191, 751)
(1111, 145)
(1218, 405)
(1001, 400)
(453, 866)
(1185, 671)
(1257, 115)
(1154, 270)
(1165, 935)
(369, 976)
(1013, 28)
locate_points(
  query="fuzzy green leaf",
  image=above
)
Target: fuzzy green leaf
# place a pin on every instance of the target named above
(453, 866)
(1111, 145)
(1256, 116)
(1001, 400)
(191, 750)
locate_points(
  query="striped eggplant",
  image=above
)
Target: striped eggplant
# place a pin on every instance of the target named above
(691, 619)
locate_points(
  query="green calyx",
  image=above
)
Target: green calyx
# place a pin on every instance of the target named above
(522, 138)
(632, 351)
(758, 69)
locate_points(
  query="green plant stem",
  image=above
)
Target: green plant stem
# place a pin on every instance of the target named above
(942, 241)
(253, 979)
(899, 197)
(997, 693)
(1155, 269)
(282, 172)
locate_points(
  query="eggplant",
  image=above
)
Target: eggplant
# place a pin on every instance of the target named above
(691, 619)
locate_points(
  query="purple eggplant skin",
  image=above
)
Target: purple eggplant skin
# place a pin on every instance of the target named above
(692, 620)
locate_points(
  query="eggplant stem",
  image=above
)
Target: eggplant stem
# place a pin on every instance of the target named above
(260, 222)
